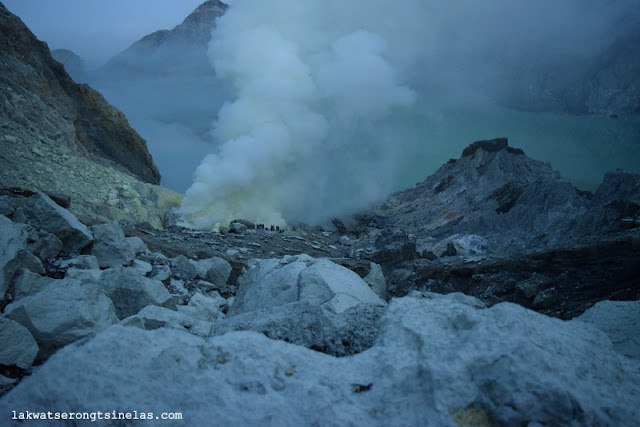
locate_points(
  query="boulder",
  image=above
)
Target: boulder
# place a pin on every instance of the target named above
(207, 308)
(311, 302)
(520, 366)
(13, 253)
(215, 270)
(375, 279)
(131, 292)
(27, 283)
(620, 320)
(237, 227)
(248, 224)
(63, 312)
(438, 359)
(44, 213)
(137, 245)
(273, 282)
(154, 317)
(183, 267)
(110, 246)
(160, 272)
(142, 267)
(89, 276)
(44, 245)
(18, 348)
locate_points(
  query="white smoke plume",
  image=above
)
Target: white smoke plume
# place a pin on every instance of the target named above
(324, 88)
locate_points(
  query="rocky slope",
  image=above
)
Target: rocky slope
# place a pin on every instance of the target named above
(293, 340)
(61, 137)
(37, 93)
(500, 226)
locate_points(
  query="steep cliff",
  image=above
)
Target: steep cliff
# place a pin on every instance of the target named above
(61, 137)
(37, 93)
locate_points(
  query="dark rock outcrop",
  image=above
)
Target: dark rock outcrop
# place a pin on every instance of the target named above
(37, 93)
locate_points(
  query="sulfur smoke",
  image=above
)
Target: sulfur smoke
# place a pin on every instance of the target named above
(326, 93)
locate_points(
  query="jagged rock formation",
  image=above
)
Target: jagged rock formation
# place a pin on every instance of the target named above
(182, 50)
(500, 226)
(493, 191)
(72, 63)
(495, 198)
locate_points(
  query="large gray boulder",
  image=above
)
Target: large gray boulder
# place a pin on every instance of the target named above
(310, 302)
(131, 292)
(110, 246)
(18, 346)
(44, 213)
(13, 253)
(620, 320)
(63, 312)
(437, 357)
(522, 367)
(301, 278)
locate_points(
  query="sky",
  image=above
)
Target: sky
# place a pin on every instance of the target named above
(98, 29)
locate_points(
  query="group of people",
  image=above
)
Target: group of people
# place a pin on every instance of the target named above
(275, 228)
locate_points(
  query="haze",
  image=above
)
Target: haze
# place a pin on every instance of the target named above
(97, 30)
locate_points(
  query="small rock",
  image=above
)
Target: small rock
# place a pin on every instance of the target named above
(345, 241)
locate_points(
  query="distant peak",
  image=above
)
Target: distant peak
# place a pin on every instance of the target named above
(491, 146)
